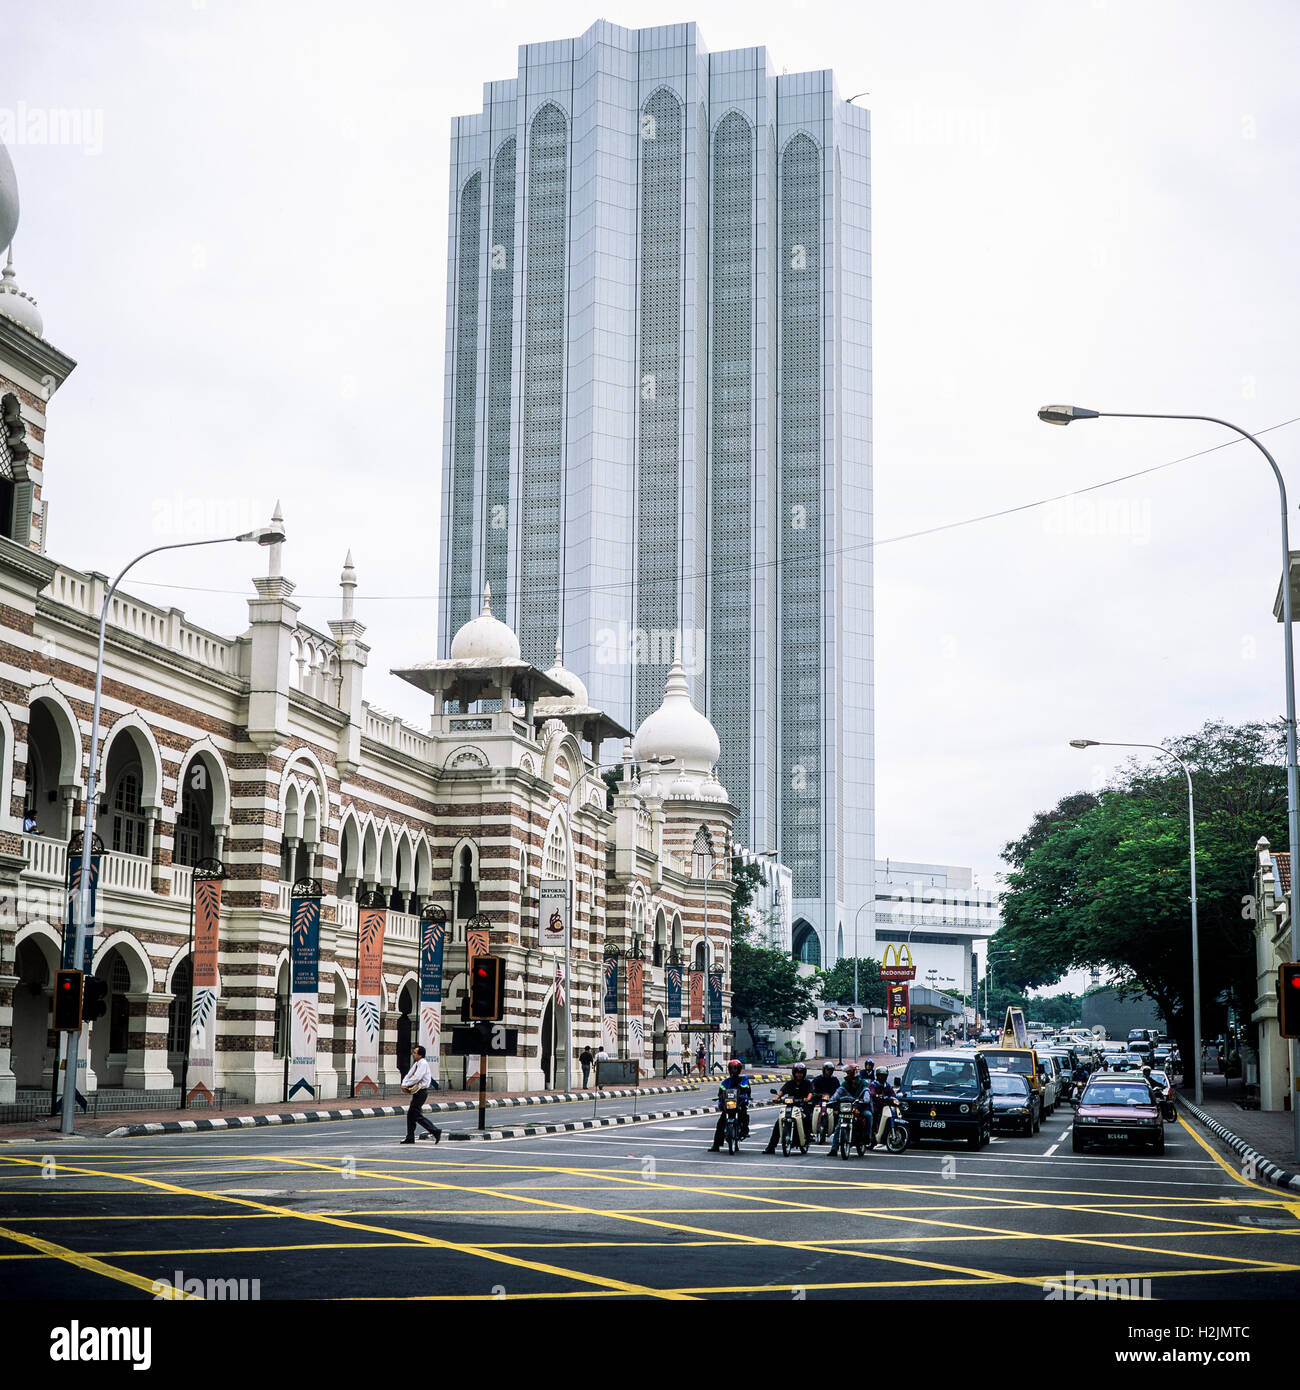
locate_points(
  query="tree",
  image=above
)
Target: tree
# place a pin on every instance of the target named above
(1107, 885)
(746, 880)
(837, 983)
(767, 989)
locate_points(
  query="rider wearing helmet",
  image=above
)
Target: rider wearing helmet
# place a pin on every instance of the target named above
(801, 1089)
(853, 1089)
(882, 1094)
(824, 1087)
(736, 1081)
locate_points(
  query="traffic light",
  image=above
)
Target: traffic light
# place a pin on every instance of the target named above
(95, 1003)
(67, 1000)
(1288, 1001)
(486, 987)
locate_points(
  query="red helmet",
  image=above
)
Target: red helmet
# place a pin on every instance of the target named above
(851, 1069)
(737, 1063)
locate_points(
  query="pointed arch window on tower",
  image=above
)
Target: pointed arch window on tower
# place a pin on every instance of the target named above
(466, 890)
(128, 822)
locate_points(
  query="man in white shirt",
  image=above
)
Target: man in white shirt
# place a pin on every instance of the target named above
(601, 1056)
(417, 1081)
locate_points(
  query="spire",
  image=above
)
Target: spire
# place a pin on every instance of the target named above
(559, 651)
(273, 551)
(487, 600)
(348, 583)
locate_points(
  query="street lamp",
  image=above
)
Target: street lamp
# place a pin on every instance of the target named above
(262, 535)
(1063, 415)
(1196, 959)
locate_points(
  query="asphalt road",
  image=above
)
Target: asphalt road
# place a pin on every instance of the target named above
(341, 1211)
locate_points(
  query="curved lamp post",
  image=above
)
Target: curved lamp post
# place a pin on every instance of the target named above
(263, 535)
(1191, 826)
(1063, 415)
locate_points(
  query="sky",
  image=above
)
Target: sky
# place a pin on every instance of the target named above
(236, 223)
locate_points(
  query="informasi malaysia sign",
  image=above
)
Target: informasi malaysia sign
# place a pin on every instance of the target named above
(553, 911)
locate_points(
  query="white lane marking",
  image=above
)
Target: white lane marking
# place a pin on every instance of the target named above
(1053, 1149)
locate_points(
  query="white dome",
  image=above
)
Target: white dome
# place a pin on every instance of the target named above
(678, 731)
(16, 305)
(8, 199)
(485, 636)
(572, 682)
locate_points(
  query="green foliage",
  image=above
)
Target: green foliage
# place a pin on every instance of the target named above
(746, 880)
(1103, 881)
(836, 984)
(791, 1052)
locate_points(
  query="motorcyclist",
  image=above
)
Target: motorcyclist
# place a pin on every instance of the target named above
(801, 1089)
(1156, 1089)
(853, 1089)
(882, 1096)
(824, 1087)
(735, 1080)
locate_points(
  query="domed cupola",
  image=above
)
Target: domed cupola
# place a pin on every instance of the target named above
(570, 680)
(8, 199)
(485, 637)
(678, 735)
(17, 305)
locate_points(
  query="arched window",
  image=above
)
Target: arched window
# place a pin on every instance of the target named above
(700, 959)
(555, 862)
(466, 893)
(179, 1010)
(807, 944)
(194, 839)
(126, 818)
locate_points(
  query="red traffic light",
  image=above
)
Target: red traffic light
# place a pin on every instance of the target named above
(1288, 1001)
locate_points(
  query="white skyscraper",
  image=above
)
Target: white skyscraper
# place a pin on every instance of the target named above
(658, 416)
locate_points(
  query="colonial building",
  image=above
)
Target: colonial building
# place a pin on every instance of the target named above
(260, 751)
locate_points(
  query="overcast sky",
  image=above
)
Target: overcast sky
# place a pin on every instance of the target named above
(1095, 201)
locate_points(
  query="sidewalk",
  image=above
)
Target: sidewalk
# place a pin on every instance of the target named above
(1264, 1134)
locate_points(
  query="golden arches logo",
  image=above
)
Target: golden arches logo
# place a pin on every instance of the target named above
(902, 957)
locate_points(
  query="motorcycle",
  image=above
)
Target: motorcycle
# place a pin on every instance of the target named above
(793, 1135)
(734, 1126)
(822, 1121)
(851, 1118)
(896, 1135)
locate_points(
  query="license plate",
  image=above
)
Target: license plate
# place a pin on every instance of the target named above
(1122, 1135)
(932, 1124)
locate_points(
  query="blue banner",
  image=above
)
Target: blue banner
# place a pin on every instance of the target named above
(674, 993)
(715, 997)
(74, 892)
(304, 979)
(433, 936)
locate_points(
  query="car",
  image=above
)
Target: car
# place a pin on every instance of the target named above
(1066, 1060)
(1019, 1059)
(948, 1094)
(1141, 1047)
(1049, 1078)
(1117, 1110)
(1014, 1106)
(1121, 1061)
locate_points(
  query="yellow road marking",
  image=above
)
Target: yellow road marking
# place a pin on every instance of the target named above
(1225, 1165)
(87, 1262)
(408, 1236)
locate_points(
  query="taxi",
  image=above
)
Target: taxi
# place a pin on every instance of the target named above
(1117, 1110)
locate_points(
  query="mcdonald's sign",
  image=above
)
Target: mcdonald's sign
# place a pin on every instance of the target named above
(899, 970)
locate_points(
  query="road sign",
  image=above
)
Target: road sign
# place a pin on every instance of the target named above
(485, 1040)
(898, 1006)
(618, 1072)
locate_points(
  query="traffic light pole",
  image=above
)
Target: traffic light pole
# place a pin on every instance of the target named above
(482, 1090)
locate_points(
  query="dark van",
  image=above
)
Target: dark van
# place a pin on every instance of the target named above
(948, 1094)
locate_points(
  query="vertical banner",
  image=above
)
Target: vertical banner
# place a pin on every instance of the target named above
(74, 891)
(609, 1020)
(899, 1014)
(201, 1071)
(715, 998)
(370, 993)
(433, 936)
(635, 1010)
(553, 914)
(697, 996)
(674, 997)
(304, 979)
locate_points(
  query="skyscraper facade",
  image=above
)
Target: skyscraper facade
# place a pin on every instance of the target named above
(657, 435)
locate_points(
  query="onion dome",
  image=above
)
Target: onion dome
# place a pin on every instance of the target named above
(570, 680)
(485, 637)
(8, 199)
(678, 733)
(14, 304)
